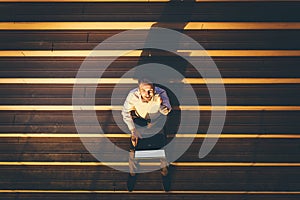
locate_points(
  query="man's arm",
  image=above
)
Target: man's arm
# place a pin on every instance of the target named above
(127, 107)
(165, 106)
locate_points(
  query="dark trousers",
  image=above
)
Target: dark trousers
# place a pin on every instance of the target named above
(154, 142)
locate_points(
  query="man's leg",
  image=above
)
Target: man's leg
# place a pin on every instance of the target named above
(133, 164)
(133, 167)
(164, 167)
(164, 164)
(165, 174)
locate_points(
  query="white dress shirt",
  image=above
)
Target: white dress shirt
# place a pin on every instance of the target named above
(153, 108)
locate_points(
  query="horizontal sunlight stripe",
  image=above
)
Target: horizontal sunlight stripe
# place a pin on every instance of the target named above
(241, 25)
(146, 25)
(234, 164)
(69, 81)
(134, 81)
(137, 53)
(190, 108)
(232, 53)
(155, 192)
(124, 135)
(69, 53)
(179, 164)
(241, 81)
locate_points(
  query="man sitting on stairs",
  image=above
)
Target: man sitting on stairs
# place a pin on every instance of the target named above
(144, 112)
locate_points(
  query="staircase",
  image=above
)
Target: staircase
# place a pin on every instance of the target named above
(255, 45)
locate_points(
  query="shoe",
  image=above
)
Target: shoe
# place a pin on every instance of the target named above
(166, 182)
(131, 182)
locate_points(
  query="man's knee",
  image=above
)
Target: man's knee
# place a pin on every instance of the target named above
(164, 167)
(164, 171)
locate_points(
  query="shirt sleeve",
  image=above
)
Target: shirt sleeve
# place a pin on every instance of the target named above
(127, 107)
(165, 106)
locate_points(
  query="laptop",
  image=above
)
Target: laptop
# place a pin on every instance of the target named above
(149, 154)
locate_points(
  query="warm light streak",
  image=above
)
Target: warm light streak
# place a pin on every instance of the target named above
(147, 25)
(192, 81)
(179, 164)
(123, 135)
(103, 108)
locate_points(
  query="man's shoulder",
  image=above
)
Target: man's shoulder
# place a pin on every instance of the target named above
(134, 92)
(159, 90)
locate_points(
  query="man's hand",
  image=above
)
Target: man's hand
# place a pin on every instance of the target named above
(157, 99)
(134, 140)
(135, 135)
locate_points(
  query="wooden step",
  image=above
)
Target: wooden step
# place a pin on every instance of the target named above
(210, 39)
(176, 195)
(61, 94)
(58, 149)
(52, 121)
(91, 177)
(156, 11)
(137, 53)
(46, 26)
(67, 67)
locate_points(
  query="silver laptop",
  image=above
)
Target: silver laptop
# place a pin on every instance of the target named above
(149, 154)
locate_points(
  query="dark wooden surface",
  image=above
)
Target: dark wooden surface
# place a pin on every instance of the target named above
(184, 178)
(62, 149)
(62, 122)
(174, 11)
(209, 39)
(67, 67)
(134, 196)
(61, 94)
(104, 178)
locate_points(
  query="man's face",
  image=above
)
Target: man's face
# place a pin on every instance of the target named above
(147, 91)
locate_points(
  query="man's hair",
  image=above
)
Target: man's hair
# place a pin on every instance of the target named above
(145, 81)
